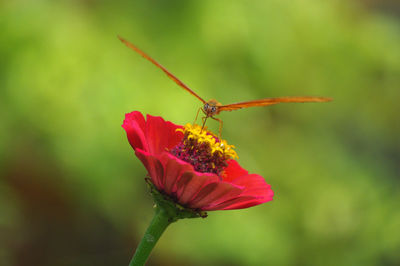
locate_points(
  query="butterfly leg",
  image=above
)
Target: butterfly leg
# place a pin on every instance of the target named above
(204, 122)
(220, 125)
(197, 115)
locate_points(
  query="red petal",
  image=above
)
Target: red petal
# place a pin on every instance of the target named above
(256, 191)
(255, 186)
(134, 126)
(190, 184)
(233, 171)
(213, 194)
(161, 135)
(238, 203)
(174, 168)
(154, 168)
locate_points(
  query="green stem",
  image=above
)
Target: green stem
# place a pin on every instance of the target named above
(160, 222)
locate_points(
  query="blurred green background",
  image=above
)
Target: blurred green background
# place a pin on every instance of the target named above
(72, 191)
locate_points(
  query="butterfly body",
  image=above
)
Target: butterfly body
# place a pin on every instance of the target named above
(212, 107)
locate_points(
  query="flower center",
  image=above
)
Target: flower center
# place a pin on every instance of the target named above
(204, 150)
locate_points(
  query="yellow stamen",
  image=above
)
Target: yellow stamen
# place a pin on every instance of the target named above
(202, 135)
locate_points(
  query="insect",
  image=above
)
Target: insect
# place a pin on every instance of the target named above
(212, 107)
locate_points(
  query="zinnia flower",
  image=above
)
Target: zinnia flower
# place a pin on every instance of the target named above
(192, 166)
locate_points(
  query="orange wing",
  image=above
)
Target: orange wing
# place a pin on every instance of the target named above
(270, 101)
(175, 79)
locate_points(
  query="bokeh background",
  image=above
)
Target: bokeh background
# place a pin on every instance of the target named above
(72, 191)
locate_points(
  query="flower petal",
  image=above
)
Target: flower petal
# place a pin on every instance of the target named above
(161, 135)
(233, 171)
(174, 168)
(190, 184)
(154, 168)
(238, 203)
(256, 191)
(214, 193)
(134, 125)
(255, 186)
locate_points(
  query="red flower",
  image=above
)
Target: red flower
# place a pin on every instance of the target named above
(183, 164)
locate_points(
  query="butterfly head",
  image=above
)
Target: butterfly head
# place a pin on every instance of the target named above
(210, 108)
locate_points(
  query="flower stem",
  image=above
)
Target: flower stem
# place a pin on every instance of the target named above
(160, 222)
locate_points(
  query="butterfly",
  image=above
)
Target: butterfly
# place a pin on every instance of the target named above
(212, 107)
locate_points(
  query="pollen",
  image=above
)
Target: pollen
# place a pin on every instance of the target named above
(203, 149)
